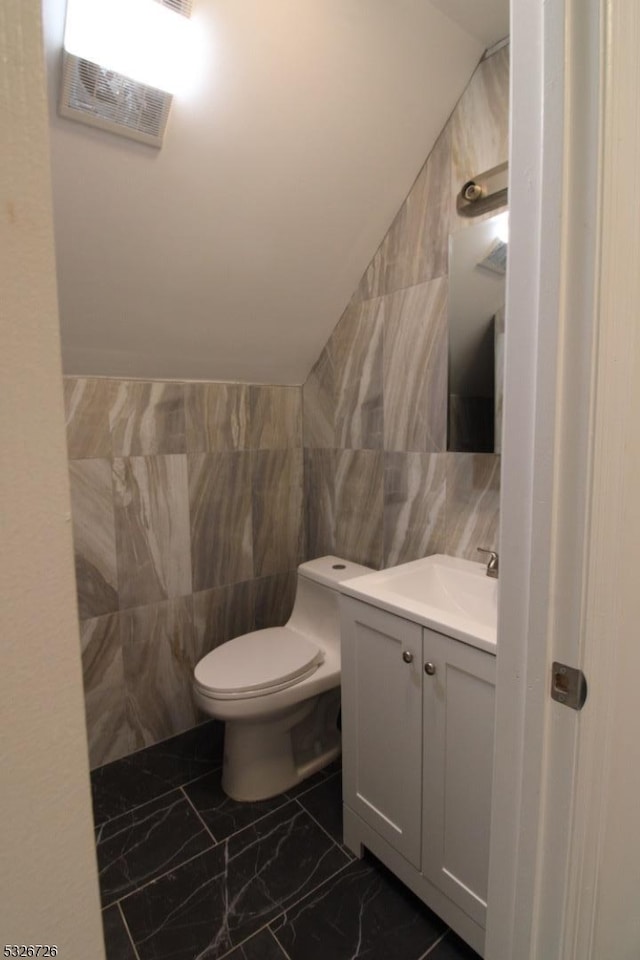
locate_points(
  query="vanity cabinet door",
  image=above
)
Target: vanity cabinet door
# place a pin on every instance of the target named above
(382, 723)
(459, 699)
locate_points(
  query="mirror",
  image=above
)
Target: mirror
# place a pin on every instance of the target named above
(477, 275)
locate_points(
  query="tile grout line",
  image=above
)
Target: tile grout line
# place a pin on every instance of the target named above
(197, 813)
(201, 853)
(201, 776)
(280, 947)
(319, 825)
(126, 926)
(267, 925)
(241, 943)
(282, 913)
(325, 779)
(434, 945)
(257, 820)
(161, 876)
(313, 890)
(177, 786)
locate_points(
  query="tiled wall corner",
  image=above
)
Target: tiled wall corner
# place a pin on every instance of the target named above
(159, 654)
(415, 368)
(355, 349)
(416, 247)
(187, 508)
(379, 486)
(473, 503)
(319, 501)
(359, 499)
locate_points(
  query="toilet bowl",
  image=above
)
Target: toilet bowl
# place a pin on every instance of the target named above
(278, 690)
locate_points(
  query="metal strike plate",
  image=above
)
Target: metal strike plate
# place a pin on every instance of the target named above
(568, 685)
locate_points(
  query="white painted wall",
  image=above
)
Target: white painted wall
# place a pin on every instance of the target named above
(48, 873)
(232, 252)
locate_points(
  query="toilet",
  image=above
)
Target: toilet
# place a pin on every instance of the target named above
(278, 690)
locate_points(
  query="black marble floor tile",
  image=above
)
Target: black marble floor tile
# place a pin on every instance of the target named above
(363, 912)
(147, 842)
(452, 947)
(218, 899)
(263, 946)
(324, 803)
(117, 942)
(222, 815)
(124, 784)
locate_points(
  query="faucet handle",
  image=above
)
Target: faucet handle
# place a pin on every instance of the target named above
(492, 563)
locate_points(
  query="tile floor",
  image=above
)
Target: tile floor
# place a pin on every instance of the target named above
(187, 874)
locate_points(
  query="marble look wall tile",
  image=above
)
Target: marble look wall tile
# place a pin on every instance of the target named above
(110, 734)
(217, 416)
(473, 503)
(319, 502)
(415, 368)
(87, 403)
(94, 538)
(480, 127)
(277, 510)
(359, 504)
(414, 506)
(355, 349)
(275, 597)
(222, 613)
(276, 417)
(147, 418)
(415, 248)
(318, 404)
(152, 528)
(221, 528)
(159, 654)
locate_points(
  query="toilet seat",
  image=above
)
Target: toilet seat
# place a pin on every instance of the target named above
(257, 664)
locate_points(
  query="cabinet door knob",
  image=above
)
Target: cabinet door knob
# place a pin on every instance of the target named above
(407, 656)
(430, 668)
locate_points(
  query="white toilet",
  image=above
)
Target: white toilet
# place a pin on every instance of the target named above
(278, 690)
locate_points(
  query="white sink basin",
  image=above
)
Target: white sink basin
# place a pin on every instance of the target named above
(447, 594)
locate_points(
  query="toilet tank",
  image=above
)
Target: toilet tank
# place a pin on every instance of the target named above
(315, 611)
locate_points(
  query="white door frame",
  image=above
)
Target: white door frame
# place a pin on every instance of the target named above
(567, 506)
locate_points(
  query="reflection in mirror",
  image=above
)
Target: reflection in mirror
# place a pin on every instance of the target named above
(477, 275)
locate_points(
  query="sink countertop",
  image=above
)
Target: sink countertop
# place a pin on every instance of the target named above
(450, 595)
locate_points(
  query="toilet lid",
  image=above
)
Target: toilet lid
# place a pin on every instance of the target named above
(274, 657)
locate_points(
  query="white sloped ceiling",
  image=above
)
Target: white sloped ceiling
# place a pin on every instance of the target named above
(232, 252)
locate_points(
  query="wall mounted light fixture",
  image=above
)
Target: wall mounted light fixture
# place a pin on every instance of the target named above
(485, 192)
(141, 39)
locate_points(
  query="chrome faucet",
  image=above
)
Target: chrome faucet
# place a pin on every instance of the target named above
(492, 563)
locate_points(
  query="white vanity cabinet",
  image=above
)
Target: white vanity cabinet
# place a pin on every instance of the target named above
(417, 732)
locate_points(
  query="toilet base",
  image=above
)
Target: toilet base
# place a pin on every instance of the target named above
(261, 759)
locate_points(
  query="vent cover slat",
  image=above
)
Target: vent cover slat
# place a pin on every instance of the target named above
(108, 100)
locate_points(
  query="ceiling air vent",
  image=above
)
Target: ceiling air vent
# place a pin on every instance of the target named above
(111, 101)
